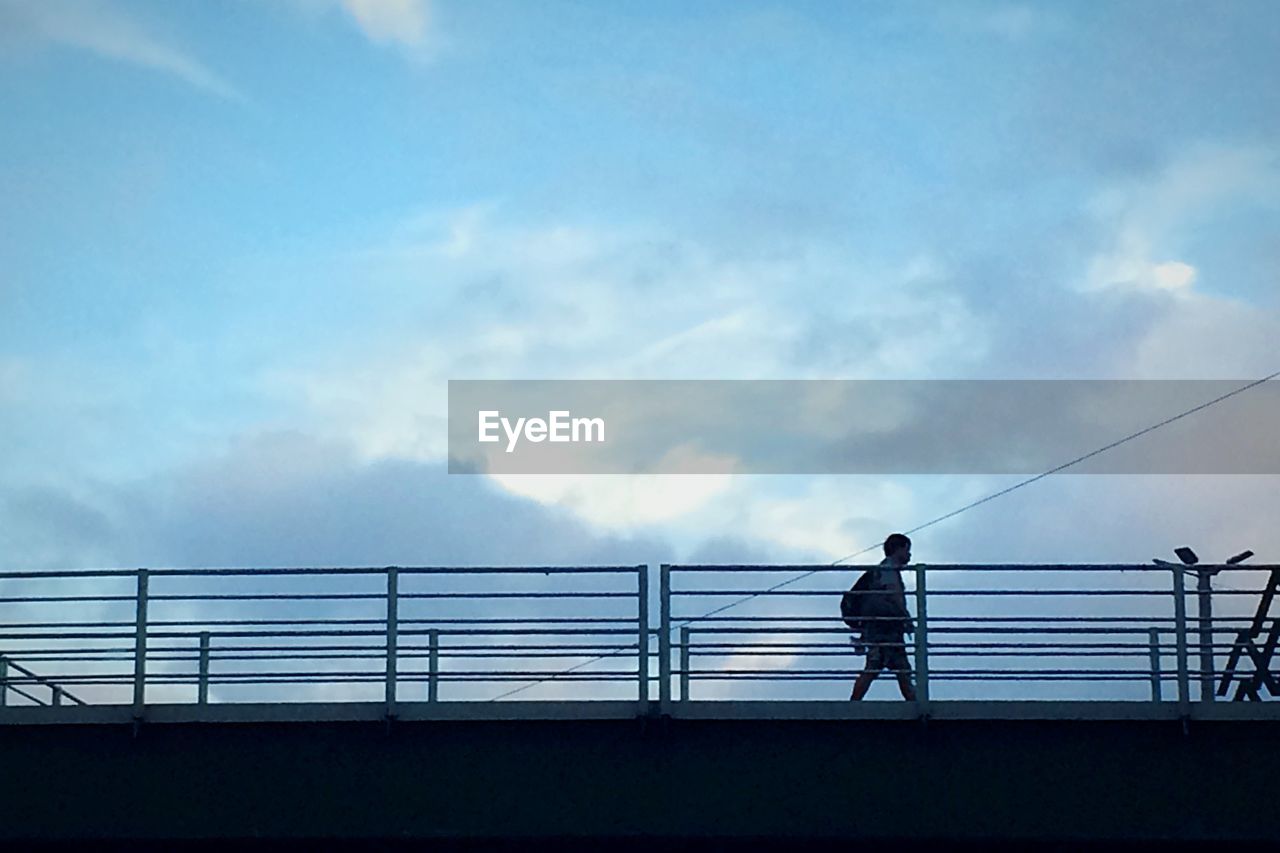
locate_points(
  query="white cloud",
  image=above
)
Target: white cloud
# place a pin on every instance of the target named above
(1174, 275)
(1129, 266)
(1148, 219)
(1012, 22)
(621, 502)
(1186, 333)
(403, 22)
(104, 31)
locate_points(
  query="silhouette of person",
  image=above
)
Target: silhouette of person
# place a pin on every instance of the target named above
(886, 620)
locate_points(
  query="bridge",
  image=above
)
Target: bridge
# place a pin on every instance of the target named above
(566, 705)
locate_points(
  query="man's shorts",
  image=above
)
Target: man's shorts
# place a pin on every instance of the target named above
(887, 653)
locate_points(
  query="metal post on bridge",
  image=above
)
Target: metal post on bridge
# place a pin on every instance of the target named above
(4, 681)
(1154, 646)
(1180, 639)
(393, 604)
(922, 643)
(664, 639)
(202, 683)
(433, 665)
(57, 696)
(140, 645)
(685, 633)
(642, 637)
(1204, 600)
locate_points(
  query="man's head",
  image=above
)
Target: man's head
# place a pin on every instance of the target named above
(898, 548)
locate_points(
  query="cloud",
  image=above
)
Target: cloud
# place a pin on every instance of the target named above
(1145, 259)
(404, 22)
(104, 31)
(1017, 22)
(563, 300)
(621, 502)
(1012, 22)
(574, 301)
(1129, 265)
(1149, 221)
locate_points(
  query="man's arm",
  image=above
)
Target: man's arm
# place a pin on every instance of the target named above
(900, 599)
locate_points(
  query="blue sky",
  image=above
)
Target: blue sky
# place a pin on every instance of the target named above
(243, 246)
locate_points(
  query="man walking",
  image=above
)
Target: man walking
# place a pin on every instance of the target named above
(885, 619)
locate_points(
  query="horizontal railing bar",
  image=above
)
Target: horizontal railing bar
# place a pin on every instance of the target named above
(124, 574)
(42, 599)
(186, 623)
(324, 570)
(1142, 673)
(29, 654)
(933, 620)
(933, 653)
(934, 593)
(496, 595)
(585, 570)
(535, 620)
(28, 625)
(377, 596)
(274, 596)
(622, 677)
(783, 675)
(1144, 647)
(782, 629)
(966, 567)
(475, 632)
(77, 635)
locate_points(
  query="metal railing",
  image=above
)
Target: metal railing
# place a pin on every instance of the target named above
(399, 637)
(151, 636)
(983, 632)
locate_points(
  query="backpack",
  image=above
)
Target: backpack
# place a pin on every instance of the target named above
(853, 603)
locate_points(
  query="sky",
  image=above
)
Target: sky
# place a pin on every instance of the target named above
(244, 245)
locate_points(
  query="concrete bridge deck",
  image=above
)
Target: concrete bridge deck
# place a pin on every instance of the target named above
(312, 772)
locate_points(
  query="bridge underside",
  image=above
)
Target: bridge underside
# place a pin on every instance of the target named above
(643, 780)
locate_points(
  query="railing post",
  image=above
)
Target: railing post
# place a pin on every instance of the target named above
(57, 696)
(4, 682)
(140, 645)
(642, 636)
(664, 639)
(1204, 596)
(1154, 637)
(393, 604)
(433, 665)
(684, 663)
(922, 643)
(202, 684)
(1180, 638)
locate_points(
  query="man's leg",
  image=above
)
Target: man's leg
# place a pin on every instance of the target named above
(905, 686)
(902, 669)
(863, 684)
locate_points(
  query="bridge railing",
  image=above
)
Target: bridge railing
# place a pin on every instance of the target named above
(702, 633)
(1136, 633)
(155, 636)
